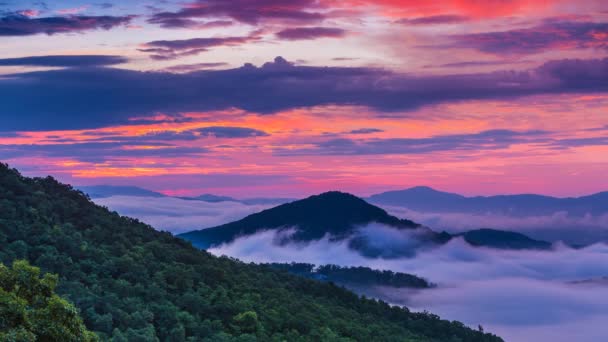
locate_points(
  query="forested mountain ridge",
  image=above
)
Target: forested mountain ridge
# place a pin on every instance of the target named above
(132, 283)
(340, 216)
(332, 213)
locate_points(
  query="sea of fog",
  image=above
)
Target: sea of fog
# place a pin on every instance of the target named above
(523, 296)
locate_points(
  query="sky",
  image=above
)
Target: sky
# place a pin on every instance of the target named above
(290, 98)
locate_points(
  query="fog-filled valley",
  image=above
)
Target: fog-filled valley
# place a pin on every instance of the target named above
(521, 294)
(308, 170)
(178, 215)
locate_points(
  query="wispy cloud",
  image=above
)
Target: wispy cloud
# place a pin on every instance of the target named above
(25, 25)
(307, 33)
(65, 61)
(494, 139)
(248, 12)
(551, 35)
(172, 49)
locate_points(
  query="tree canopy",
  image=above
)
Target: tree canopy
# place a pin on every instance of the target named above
(31, 311)
(133, 283)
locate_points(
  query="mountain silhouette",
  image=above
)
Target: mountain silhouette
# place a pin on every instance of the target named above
(333, 213)
(426, 199)
(502, 239)
(340, 216)
(103, 191)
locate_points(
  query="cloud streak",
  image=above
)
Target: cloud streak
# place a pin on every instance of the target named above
(65, 61)
(307, 33)
(435, 20)
(273, 87)
(24, 25)
(172, 49)
(487, 140)
(244, 11)
(551, 35)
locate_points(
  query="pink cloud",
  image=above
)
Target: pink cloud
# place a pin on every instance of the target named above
(73, 10)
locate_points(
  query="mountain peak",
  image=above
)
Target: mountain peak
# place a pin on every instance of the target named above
(332, 213)
(422, 188)
(343, 199)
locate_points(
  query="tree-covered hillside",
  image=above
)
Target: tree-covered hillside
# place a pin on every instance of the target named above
(132, 283)
(357, 276)
(31, 311)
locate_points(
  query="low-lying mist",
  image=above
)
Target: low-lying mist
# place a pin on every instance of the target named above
(178, 215)
(520, 295)
(523, 296)
(585, 229)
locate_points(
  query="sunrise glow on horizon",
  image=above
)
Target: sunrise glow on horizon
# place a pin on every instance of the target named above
(272, 98)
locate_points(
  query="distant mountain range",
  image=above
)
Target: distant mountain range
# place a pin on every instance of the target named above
(578, 221)
(425, 199)
(340, 217)
(420, 198)
(104, 191)
(502, 239)
(249, 201)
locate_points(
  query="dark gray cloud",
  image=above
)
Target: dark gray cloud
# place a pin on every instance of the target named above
(64, 61)
(307, 33)
(224, 183)
(57, 99)
(550, 35)
(493, 139)
(575, 142)
(486, 140)
(106, 146)
(225, 132)
(97, 152)
(598, 129)
(342, 59)
(245, 11)
(172, 49)
(480, 63)
(195, 67)
(105, 5)
(9, 134)
(365, 131)
(435, 19)
(231, 132)
(22, 25)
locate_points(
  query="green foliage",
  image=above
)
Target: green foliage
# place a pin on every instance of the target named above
(31, 311)
(360, 276)
(133, 283)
